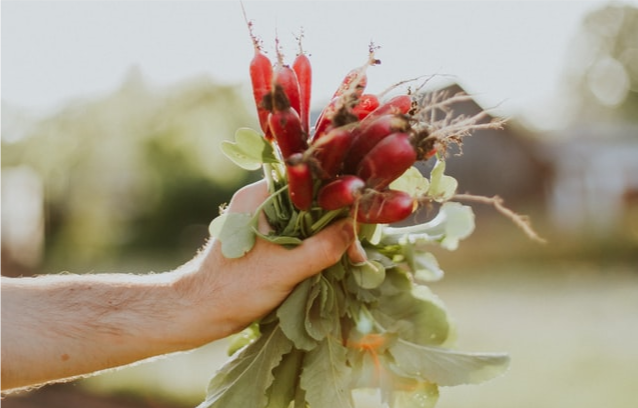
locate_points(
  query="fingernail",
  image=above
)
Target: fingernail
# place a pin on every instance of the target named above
(356, 253)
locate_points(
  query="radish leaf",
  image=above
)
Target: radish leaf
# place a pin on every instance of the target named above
(446, 367)
(325, 377)
(243, 381)
(249, 150)
(236, 233)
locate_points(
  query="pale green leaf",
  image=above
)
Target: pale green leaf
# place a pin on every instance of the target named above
(249, 150)
(453, 223)
(410, 311)
(280, 239)
(371, 232)
(320, 321)
(286, 375)
(411, 182)
(243, 381)
(442, 187)
(240, 340)
(422, 264)
(368, 275)
(415, 394)
(292, 317)
(326, 377)
(235, 231)
(459, 225)
(446, 367)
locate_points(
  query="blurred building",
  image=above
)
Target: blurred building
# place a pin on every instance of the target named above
(594, 185)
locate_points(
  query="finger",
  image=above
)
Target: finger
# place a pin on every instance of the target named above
(356, 253)
(248, 198)
(320, 251)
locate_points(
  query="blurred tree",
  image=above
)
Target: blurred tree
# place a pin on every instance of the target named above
(137, 170)
(602, 65)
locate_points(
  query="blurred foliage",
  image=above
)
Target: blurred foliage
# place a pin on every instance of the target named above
(602, 65)
(139, 170)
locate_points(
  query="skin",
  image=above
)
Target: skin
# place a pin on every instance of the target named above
(61, 327)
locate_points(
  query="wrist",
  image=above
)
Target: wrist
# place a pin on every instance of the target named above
(202, 313)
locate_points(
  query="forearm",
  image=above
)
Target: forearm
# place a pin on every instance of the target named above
(63, 326)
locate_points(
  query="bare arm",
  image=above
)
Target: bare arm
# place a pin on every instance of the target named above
(64, 326)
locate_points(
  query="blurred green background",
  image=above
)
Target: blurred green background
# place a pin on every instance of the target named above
(128, 182)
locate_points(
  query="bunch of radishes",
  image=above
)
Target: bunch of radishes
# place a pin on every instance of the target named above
(356, 148)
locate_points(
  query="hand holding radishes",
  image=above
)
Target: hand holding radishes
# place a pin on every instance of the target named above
(367, 324)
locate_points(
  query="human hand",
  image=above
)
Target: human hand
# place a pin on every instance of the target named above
(229, 294)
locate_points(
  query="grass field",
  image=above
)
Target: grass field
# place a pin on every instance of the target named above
(571, 329)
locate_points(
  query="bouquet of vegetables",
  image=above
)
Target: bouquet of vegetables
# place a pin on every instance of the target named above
(370, 325)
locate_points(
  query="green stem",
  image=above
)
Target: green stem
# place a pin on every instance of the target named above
(267, 201)
(325, 220)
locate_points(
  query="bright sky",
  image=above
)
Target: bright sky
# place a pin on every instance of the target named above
(508, 53)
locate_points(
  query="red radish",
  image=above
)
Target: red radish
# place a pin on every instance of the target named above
(300, 182)
(366, 104)
(340, 192)
(338, 113)
(325, 118)
(368, 135)
(389, 159)
(301, 66)
(330, 151)
(285, 77)
(354, 82)
(400, 104)
(261, 78)
(383, 207)
(285, 125)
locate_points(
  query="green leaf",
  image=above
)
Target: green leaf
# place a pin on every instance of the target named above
(326, 376)
(280, 239)
(320, 319)
(243, 338)
(411, 182)
(250, 150)
(292, 316)
(286, 375)
(446, 367)
(369, 275)
(414, 394)
(236, 232)
(411, 311)
(453, 223)
(370, 232)
(422, 264)
(442, 187)
(243, 381)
